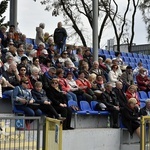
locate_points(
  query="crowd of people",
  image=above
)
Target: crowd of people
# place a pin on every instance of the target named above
(44, 79)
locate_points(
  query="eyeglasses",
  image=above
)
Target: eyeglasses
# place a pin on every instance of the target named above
(54, 82)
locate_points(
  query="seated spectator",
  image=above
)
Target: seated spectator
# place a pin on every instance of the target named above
(109, 98)
(113, 75)
(43, 56)
(23, 100)
(32, 54)
(74, 87)
(48, 76)
(119, 71)
(4, 84)
(68, 68)
(143, 80)
(78, 56)
(130, 117)
(95, 68)
(127, 78)
(29, 49)
(36, 64)
(85, 85)
(41, 46)
(24, 62)
(64, 57)
(40, 97)
(22, 73)
(118, 58)
(136, 70)
(12, 76)
(35, 76)
(98, 87)
(51, 51)
(132, 93)
(145, 111)
(59, 102)
(20, 53)
(9, 60)
(45, 65)
(85, 69)
(58, 64)
(122, 99)
(65, 86)
(88, 57)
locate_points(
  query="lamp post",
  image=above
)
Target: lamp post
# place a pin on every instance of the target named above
(13, 13)
(95, 30)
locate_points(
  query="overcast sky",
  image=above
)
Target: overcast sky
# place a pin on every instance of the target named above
(31, 13)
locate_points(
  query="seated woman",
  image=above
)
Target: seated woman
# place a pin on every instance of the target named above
(65, 86)
(132, 93)
(74, 87)
(35, 76)
(59, 102)
(40, 97)
(22, 98)
(130, 117)
(85, 86)
(143, 80)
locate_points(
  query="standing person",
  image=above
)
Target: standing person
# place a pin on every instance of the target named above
(39, 34)
(60, 36)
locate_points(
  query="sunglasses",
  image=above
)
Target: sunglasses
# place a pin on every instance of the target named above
(22, 69)
(54, 82)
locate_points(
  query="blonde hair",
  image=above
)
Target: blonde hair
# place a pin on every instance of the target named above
(132, 101)
(92, 77)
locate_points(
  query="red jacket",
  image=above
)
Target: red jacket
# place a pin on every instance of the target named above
(142, 82)
(129, 95)
(82, 84)
(64, 84)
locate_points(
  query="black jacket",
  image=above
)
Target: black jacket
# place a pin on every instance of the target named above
(39, 97)
(120, 97)
(109, 99)
(56, 96)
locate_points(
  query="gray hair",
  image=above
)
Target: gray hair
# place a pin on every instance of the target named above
(34, 69)
(148, 100)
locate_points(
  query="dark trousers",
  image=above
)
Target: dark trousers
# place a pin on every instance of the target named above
(49, 110)
(114, 114)
(65, 112)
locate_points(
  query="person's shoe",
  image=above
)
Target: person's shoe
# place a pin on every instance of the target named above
(70, 128)
(62, 118)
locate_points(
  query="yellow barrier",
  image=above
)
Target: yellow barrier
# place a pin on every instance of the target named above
(145, 133)
(53, 137)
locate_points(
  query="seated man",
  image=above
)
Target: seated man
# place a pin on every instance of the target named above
(145, 111)
(108, 97)
(12, 76)
(45, 104)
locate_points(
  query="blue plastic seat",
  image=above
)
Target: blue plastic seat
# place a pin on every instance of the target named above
(132, 59)
(145, 56)
(142, 104)
(129, 55)
(103, 112)
(111, 52)
(143, 96)
(140, 55)
(124, 54)
(85, 107)
(29, 41)
(135, 55)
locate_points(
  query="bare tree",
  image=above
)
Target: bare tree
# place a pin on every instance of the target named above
(145, 8)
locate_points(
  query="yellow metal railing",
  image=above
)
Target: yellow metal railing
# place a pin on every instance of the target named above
(53, 134)
(145, 133)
